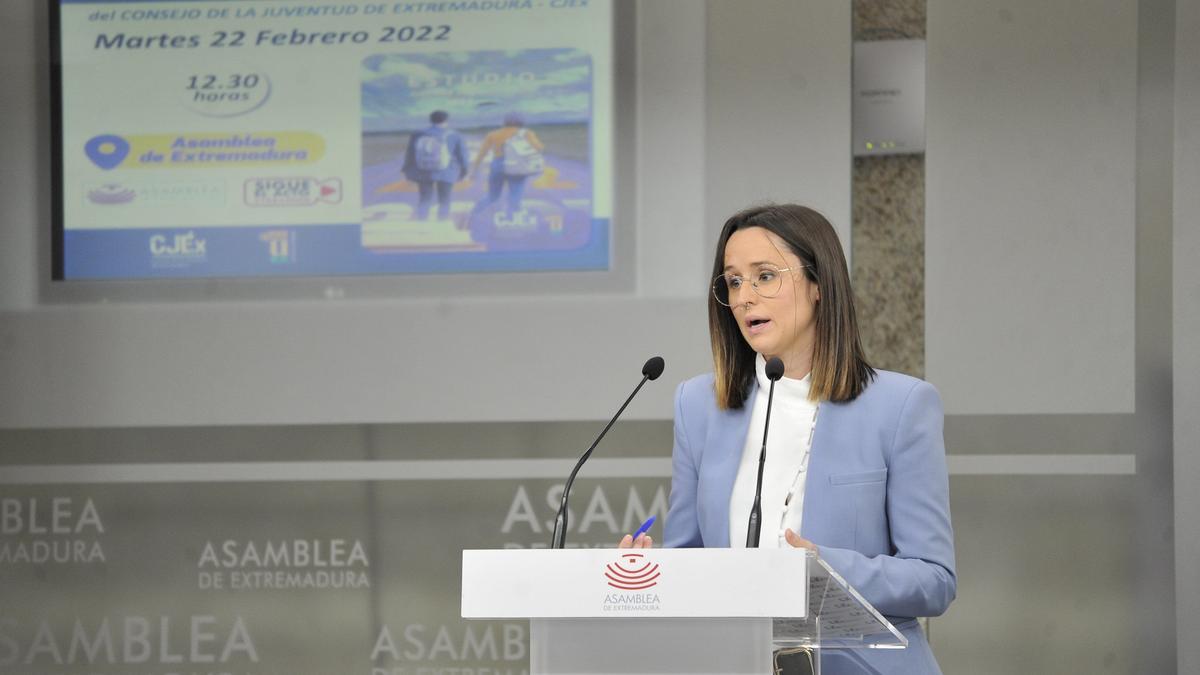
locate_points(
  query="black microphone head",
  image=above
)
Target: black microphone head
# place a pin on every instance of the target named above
(654, 367)
(774, 368)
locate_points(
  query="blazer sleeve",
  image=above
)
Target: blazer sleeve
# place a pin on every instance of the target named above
(918, 578)
(682, 529)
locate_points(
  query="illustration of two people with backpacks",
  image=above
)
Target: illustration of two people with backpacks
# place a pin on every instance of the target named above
(435, 160)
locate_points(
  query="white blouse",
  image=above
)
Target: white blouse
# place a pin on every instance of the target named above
(793, 420)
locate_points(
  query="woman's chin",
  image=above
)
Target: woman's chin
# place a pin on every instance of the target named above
(761, 345)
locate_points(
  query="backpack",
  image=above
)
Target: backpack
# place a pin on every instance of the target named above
(520, 157)
(432, 153)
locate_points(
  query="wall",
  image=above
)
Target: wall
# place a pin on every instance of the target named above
(1186, 334)
(391, 415)
(786, 102)
(1048, 258)
(251, 360)
(1030, 181)
(1061, 486)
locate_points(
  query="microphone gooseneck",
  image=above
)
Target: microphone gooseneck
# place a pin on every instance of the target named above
(650, 371)
(774, 371)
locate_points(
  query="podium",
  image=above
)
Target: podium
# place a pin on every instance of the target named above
(672, 610)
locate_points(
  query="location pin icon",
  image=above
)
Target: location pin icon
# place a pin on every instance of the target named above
(107, 151)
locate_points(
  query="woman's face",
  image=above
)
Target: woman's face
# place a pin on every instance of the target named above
(783, 325)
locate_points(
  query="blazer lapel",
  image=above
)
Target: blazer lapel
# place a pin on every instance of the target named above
(722, 456)
(823, 457)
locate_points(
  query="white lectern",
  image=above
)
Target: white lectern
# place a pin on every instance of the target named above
(670, 610)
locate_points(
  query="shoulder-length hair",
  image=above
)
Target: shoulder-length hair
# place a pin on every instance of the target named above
(840, 371)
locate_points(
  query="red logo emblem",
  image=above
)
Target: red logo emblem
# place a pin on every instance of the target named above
(331, 190)
(632, 573)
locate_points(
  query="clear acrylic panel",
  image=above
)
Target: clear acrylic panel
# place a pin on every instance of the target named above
(838, 617)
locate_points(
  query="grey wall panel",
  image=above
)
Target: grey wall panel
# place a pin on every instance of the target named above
(1027, 605)
(779, 100)
(481, 354)
(1186, 362)
(136, 552)
(670, 151)
(298, 363)
(413, 527)
(1030, 206)
(23, 172)
(1154, 587)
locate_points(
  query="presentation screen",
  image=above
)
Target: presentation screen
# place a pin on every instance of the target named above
(284, 138)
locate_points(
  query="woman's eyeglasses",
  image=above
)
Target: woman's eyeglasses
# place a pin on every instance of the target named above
(766, 282)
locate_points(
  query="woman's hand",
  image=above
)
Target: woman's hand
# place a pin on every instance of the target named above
(643, 541)
(797, 541)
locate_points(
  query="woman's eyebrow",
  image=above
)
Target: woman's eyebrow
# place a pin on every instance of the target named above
(760, 263)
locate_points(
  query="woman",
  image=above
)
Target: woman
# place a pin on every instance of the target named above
(855, 464)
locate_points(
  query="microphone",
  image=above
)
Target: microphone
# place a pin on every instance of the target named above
(650, 371)
(774, 372)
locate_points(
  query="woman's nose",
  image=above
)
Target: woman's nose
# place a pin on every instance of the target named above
(740, 296)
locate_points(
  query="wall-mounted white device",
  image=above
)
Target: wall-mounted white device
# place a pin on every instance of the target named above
(889, 97)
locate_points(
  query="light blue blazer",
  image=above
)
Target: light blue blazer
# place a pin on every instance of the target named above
(876, 499)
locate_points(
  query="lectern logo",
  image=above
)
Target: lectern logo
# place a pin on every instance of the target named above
(632, 572)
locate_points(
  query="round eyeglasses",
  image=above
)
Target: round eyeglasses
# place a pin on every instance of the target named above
(766, 282)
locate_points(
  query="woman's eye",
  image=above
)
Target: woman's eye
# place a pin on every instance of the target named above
(734, 282)
(766, 276)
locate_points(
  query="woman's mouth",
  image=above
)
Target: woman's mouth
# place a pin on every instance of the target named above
(757, 325)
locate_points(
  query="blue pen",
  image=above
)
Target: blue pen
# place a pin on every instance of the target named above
(644, 528)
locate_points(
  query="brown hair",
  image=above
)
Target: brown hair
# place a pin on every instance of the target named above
(840, 371)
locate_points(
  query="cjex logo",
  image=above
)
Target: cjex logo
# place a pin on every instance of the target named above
(181, 250)
(632, 572)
